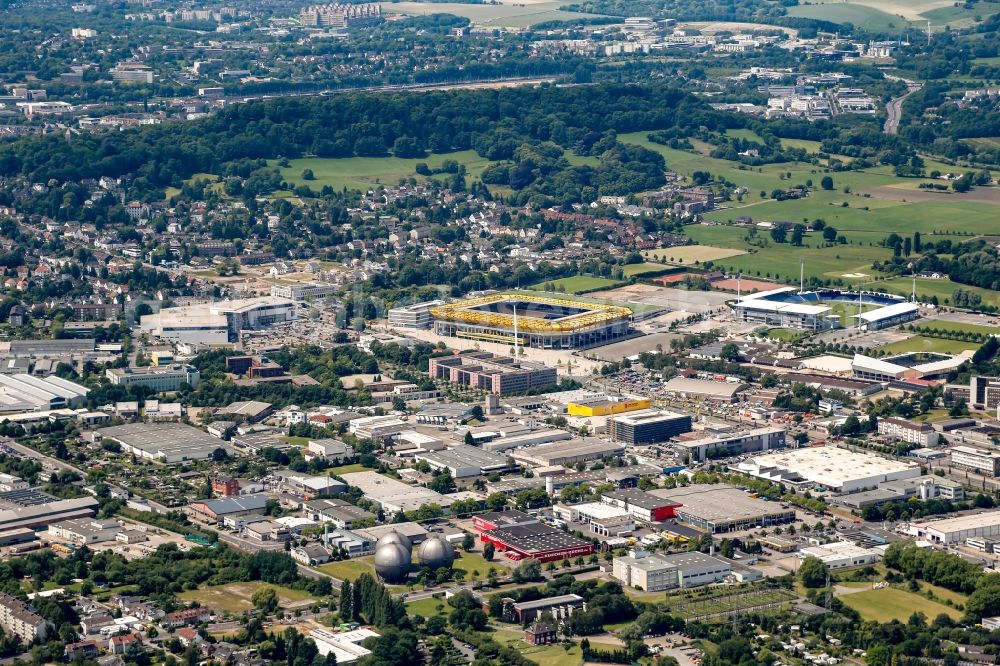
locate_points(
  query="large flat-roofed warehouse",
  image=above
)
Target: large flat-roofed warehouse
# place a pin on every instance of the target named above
(722, 508)
(392, 495)
(26, 393)
(705, 389)
(31, 508)
(728, 444)
(497, 374)
(543, 322)
(217, 323)
(464, 461)
(536, 541)
(654, 573)
(648, 426)
(569, 452)
(167, 443)
(831, 467)
(602, 405)
(957, 530)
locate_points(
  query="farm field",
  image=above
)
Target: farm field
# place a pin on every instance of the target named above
(235, 597)
(928, 287)
(922, 343)
(858, 14)
(781, 261)
(518, 15)
(577, 284)
(363, 173)
(889, 604)
(691, 254)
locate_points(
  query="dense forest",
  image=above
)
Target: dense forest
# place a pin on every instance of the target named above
(495, 122)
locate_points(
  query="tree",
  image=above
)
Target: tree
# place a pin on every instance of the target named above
(812, 572)
(468, 542)
(488, 552)
(730, 352)
(528, 570)
(266, 599)
(307, 174)
(346, 597)
(779, 234)
(826, 183)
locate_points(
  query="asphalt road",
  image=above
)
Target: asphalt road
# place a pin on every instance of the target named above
(894, 109)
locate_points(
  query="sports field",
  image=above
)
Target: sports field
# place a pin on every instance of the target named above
(890, 604)
(942, 288)
(363, 173)
(922, 343)
(644, 268)
(235, 597)
(577, 284)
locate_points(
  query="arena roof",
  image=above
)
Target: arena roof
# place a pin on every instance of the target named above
(888, 312)
(573, 315)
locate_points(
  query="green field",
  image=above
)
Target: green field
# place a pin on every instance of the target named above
(959, 327)
(346, 469)
(235, 597)
(781, 260)
(943, 289)
(644, 269)
(871, 18)
(472, 562)
(349, 569)
(363, 173)
(512, 15)
(746, 134)
(577, 284)
(890, 604)
(921, 343)
(428, 607)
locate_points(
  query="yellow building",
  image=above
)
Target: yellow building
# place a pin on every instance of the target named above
(606, 407)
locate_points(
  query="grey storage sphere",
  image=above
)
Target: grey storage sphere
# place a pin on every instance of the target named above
(436, 552)
(395, 537)
(392, 562)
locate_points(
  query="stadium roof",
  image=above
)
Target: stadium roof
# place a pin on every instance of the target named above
(778, 306)
(767, 294)
(888, 312)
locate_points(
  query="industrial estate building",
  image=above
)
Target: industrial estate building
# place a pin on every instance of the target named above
(907, 366)
(530, 320)
(568, 452)
(654, 573)
(392, 495)
(978, 460)
(498, 375)
(602, 405)
(831, 467)
(958, 529)
(721, 508)
(167, 443)
(641, 504)
(154, 378)
(30, 508)
(729, 444)
(538, 541)
(842, 554)
(217, 323)
(464, 461)
(703, 389)
(22, 392)
(648, 426)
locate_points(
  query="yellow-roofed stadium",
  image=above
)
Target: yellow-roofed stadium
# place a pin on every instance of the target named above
(541, 321)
